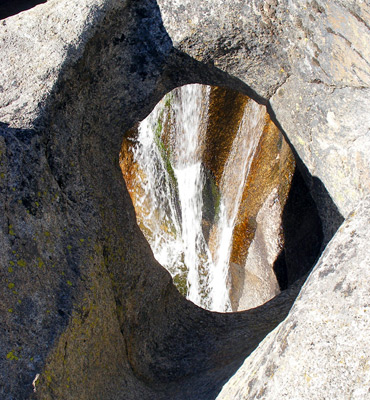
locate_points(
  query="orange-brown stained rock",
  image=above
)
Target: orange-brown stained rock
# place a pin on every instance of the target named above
(226, 108)
(132, 173)
(126, 158)
(272, 168)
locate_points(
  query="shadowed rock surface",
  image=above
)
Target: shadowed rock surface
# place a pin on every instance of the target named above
(83, 303)
(12, 7)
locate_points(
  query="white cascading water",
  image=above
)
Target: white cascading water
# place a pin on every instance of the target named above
(187, 165)
(233, 180)
(155, 197)
(176, 238)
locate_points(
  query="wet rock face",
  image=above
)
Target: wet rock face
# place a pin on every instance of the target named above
(259, 234)
(226, 108)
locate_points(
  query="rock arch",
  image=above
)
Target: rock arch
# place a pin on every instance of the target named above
(79, 303)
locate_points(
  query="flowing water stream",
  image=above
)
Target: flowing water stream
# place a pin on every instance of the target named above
(232, 185)
(168, 192)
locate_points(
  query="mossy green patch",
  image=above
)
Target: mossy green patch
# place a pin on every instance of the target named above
(48, 377)
(11, 356)
(163, 149)
(180, 282)
(21, 262)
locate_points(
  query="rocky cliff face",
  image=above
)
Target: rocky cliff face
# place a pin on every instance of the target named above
(320, 350)
(83, 302)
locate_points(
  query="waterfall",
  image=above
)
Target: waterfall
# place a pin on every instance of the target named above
(168, 188)
(155, 194)
(232, 185)
(189, 113)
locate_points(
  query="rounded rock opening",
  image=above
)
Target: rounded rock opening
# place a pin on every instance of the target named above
(219, 197)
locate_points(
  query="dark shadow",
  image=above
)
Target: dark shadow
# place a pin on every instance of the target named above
(310, 220)
(193, 71)
(12, 7)
(302, 232)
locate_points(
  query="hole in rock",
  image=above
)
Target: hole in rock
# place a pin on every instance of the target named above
(12, 7)
(218, 196)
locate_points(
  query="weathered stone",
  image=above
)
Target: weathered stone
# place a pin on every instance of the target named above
(258, 232)
(321, 46)
(259, 283)
(74, 75)
(320, 351)
(84, 304)
(334, 145)
(243, 38)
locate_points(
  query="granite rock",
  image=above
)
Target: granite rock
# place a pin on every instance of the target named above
(320, 351)
(86, 311)
(83, 302)
(316, 52)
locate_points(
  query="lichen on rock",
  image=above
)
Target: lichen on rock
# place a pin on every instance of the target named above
(74, 76)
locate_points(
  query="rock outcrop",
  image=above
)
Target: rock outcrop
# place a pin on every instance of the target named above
(320, 351)
(83, 302)
(315, 53)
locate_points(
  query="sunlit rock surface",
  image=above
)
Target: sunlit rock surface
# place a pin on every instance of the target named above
(316, 52)
(320, 351)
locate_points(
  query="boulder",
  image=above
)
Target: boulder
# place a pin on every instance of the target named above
(310, 58)
(320, 351)
(86, 312)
